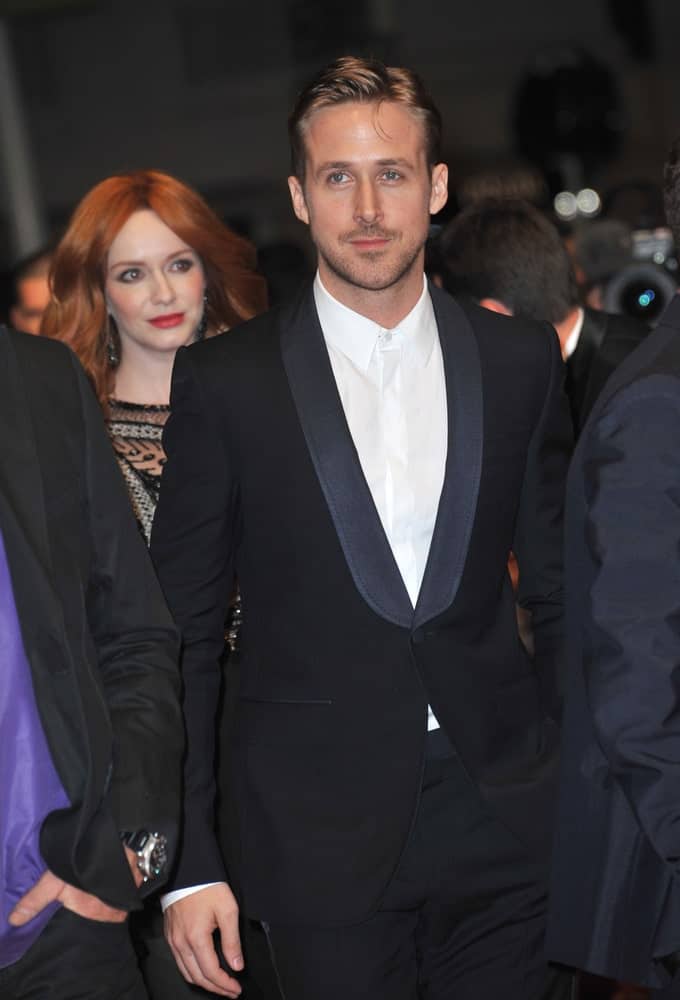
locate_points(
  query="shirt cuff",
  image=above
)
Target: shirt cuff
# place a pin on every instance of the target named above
(168, 898)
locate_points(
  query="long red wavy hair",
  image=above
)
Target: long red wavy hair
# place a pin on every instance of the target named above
(77, 311)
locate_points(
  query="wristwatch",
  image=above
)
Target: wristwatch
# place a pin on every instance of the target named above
(151, 850)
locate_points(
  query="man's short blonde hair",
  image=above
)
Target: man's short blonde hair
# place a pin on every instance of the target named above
(352, 78)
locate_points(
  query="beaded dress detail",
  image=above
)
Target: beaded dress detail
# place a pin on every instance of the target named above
(136, 430)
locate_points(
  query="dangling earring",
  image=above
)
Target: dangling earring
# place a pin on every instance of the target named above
(112, 352)
(203, 323)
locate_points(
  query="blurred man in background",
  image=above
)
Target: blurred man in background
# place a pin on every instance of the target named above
(31, 292)
(615, 901)
(510, 258)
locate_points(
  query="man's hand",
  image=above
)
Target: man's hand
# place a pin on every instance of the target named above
(189, 926)
(49, 888)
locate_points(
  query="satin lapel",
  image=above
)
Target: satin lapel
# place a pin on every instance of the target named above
(23, 523)
(458, 501)
(357, 523)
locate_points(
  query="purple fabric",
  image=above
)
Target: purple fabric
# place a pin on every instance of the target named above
(29, 785)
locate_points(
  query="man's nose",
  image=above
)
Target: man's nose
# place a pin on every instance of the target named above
(367, 206)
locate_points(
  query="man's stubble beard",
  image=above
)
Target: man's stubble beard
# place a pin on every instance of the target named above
(366, 273)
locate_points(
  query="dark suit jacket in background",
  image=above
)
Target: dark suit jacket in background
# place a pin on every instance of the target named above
(336, 667)
(616, 881)
(101, 645)
(605, 340)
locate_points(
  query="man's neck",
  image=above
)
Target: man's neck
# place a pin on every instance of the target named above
(385, 306)
(565, 327)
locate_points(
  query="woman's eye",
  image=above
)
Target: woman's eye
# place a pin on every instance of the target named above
(183, 264)
(129, 274)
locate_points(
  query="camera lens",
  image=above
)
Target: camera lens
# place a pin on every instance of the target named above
(641, 301)
(640, 290)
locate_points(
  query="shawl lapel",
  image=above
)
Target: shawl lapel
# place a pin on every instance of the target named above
(350, 504)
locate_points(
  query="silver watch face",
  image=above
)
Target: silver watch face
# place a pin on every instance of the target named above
(153, 856)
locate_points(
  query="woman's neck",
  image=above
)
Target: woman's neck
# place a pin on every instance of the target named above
(144, 380)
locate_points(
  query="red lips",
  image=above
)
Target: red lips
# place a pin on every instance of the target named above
(167, 322)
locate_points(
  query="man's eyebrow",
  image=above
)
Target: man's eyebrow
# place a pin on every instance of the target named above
(387, 161)
(333, 165)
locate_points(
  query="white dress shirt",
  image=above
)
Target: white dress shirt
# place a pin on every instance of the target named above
(392, 388)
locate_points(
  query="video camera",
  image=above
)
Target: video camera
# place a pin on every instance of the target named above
(644, 287)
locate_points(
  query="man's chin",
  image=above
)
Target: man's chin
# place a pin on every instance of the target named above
(370, 278)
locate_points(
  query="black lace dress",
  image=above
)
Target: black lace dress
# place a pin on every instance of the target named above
(136, 431)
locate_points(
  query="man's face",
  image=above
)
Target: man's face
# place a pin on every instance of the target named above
(367, 197)
(33, 296)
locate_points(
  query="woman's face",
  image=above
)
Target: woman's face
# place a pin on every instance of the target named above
(154, 286)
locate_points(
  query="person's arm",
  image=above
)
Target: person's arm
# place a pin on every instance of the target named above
(539, 528)
(136, 645)
(632, 632)
(136, 648)
(192, 543)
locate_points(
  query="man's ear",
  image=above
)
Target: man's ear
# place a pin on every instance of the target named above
(439, 192)
(496, 306)
(298, 198)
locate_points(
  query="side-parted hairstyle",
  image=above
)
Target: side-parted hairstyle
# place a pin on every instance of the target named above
(671, 190)
(509, 251)
(351, 78)
(77, 312)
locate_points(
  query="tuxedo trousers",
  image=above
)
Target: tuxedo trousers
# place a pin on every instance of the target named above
(462, 919)
(76, 959)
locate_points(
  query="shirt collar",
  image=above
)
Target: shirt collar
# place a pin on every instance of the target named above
(357, 337)
(571, 343)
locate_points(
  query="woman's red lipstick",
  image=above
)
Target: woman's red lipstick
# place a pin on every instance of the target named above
(167, 322)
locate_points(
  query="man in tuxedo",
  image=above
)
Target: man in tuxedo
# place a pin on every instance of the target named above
(618, 832)
(509, 257)
(90, 723)
(364, 458)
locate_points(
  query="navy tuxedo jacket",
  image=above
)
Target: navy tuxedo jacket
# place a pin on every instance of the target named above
(615, 906)
(337, 668)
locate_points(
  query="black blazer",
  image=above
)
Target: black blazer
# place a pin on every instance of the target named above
(98, 637)
(616, 881)
(337, 668)
(606, 339)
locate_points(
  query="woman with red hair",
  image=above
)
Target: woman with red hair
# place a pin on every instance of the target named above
(145, 267)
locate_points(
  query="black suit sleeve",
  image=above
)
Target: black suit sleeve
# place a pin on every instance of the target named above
(136, 645)
(632, 634)
(538, 534)
(191, 545)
